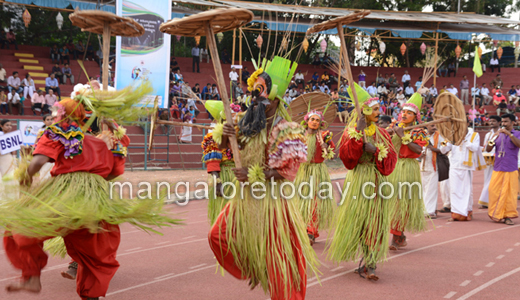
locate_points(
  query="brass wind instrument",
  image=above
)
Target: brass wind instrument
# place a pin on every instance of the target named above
(491, 142)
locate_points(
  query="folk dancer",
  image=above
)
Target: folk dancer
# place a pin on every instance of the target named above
(362, 222)
(503, 187)
(409, 206)
(316, 210)
(261, 236)
(494, 122)
(464, 159)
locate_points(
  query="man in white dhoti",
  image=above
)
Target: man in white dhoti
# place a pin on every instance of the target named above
(429, 173)
(444, 189)
(494, 122)
(464, 159)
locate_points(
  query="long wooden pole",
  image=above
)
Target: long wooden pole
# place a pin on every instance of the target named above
(162, 122)
(210, 36)
(347, 66)
(436, 55)
(234, 41)
(240, 55)
(106, 54)
(442, 120)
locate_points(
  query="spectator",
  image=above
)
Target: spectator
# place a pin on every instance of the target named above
(287, 98)
(316, 61)
(3, 73)
(99, 57)
(64, 54)
(175, 65)
(384, 121)
(300, 79)
(502, 108)
(50, 98)
(513, 95)
(195, 53)
(245, 75)
(206, 92)
(292, 85)
(511, 107)
(176, 90)
(13, 99)
(57, 72)
(314, 79)
(472, 114)
(55, 54)
(3, 102)
(393, 82)
(432, 94)
(342, 112)
(408, 92)
(38, 103)
(13, 82)
(174, 109)
(325, 79)
(442, 68)
(418, 84)
(51, 83)
(362, 77)
(372, 89)
(178, 77)
(484, 92)
(451, 69)
(196, 90)
(498, 96)
(396, 112)
(70, 46)
(28, 86)
(464, 89)
(233, 75)
(293, 93)
(444, 89)
(379, 80)
(453, 90)
(204, 55)
(406, 79)
(493, 63)
(214, 92)
(382, 92)
(324, 89)
(3, 40)
(225, 57)
(11, 39)
(79, 50)
(67, 73)
(498, 81)
(518, 91)
(481, 110)
(475, 93)
(90, 52)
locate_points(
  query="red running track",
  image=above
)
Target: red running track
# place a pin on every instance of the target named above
(461, 260)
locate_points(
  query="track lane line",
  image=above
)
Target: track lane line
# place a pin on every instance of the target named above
(487, 284)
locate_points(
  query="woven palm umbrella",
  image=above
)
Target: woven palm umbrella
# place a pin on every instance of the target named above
(207, 24)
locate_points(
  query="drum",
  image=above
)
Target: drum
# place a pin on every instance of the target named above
(490, 158)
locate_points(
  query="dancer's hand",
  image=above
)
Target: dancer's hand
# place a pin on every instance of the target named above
(241, 174)
(218, 189)
(370, 148)
(361, 124)
(399, 131)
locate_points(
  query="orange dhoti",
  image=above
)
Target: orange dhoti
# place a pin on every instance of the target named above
(94, 253)
(219, 245)
(503, 189)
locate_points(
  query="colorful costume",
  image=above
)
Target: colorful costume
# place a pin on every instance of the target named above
(362, 222)
(76, 203)
(406, 178)
(261, 236)
(503, 187)
(218, 162)
(316, 213)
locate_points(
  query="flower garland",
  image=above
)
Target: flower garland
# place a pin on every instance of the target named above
(383, 151)
(406, 139)
(369, 131)
(255, 173)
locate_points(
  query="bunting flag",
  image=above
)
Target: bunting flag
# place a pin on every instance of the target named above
(477, 67)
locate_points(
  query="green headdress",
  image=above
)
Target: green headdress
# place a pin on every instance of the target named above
(414, 104)
(280, 72)
(215, 108)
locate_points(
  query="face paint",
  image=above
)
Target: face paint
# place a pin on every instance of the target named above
(408, 116)
(314, 122)
(374, 117)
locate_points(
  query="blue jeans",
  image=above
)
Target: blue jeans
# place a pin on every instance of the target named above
(19, 90)
(3, 108)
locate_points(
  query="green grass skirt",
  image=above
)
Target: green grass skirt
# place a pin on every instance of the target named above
(408, 208)
(216, 204)
(324, 207)
(75, 201)
(259, 237)
(361, 226)
(56, 247)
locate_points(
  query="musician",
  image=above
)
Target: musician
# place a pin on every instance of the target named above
(429, 173)
(464, 159)
(503, 186)
(494, 122)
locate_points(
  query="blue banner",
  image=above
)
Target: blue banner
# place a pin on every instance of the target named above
(145, 57)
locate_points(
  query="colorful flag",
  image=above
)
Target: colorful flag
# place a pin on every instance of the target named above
(477, 67)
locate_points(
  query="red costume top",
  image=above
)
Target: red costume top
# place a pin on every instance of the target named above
(352, 153)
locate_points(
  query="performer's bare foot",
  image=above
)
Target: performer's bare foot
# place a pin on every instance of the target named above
(71, 271)
(371, 274)
(32, 285)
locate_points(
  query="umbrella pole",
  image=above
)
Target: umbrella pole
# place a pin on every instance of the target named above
(106, 54)
(212, 44)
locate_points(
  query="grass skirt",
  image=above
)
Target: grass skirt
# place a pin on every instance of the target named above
(361, 225)
(323, 208)
(259, 237)
(408, 208)
(216, 204)
(75, 201)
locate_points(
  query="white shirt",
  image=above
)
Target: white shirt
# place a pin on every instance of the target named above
(486, 140)
(484, 91)
(433, 91)
(427, 163)
(460, 154)
(382, 89)
(299, 76)
(401, 98)
(406, 77)
(372, 90)
(454, 90)
(409, 90)
(27, 82)
(493, 61)
(15, 99)
(233, 76)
